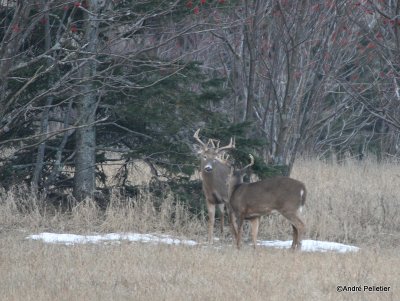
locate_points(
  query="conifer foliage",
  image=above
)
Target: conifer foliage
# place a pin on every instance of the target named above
(85, 82)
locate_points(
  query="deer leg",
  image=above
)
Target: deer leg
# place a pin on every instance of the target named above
(211, 219)
(295, 237)
(255, 222)
(221, 209)
(233, 222)
(298, 229)
(240, 232)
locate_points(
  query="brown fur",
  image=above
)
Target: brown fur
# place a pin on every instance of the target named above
(250, 201)
(215, 171)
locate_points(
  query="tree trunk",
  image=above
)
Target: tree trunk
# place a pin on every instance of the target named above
(250, 33)
(44, 123)
(85, 147)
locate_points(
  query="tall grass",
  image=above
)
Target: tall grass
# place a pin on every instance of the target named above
(20, 209)
(355, 202)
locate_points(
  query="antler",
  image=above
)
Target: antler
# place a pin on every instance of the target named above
(196, 136)
(251, 163)
(213, 141)
(229, 146)
(225, 157)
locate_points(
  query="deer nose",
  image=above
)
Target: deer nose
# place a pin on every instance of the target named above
(208, 168)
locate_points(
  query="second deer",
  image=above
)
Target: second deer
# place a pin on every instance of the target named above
(250, 201)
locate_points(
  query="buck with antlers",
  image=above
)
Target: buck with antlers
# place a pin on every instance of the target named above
(250, 201)
(215, 171)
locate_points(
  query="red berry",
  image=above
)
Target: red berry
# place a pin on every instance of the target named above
(196, 10)
(77, 4)
(370, 45)
(189, 4)
(203, 1)
(15, 28)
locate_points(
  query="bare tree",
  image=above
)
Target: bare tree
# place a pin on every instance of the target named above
(78, 56)
(85, 147)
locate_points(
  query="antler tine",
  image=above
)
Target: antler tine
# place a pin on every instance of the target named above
(225, 156)
(196, 136)
(251, 162)
(213, 141)
(229, 146)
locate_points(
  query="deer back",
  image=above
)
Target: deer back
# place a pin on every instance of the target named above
(279, 193)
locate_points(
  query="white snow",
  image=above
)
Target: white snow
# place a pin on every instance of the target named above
(72, 239)
(310, 246)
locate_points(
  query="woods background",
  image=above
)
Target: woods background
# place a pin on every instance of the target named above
(90, 85)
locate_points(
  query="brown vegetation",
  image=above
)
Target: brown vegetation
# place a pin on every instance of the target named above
(355, 203)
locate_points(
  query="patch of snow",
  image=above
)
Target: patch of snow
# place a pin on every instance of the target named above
(72, 239)
(310, 246)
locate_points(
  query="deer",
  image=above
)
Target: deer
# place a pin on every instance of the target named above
(215, 171)
(250, 201)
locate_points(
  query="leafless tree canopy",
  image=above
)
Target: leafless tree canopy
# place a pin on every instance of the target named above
(77, 78)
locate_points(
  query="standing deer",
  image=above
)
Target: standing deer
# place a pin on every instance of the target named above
(250, 201)
(215, 171)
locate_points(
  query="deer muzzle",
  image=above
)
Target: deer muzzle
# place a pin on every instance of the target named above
(208, 168)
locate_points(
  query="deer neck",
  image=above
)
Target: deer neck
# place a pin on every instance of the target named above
(215, 182)
(210, 179)
(234, 182)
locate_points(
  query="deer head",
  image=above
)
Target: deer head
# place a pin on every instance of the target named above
(236, 175)
(211, 153)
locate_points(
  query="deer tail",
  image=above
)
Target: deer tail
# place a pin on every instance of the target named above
(303, 194)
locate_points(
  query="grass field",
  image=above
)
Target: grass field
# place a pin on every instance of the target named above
(354, 203)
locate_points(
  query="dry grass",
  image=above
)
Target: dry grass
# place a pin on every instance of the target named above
(353, 203)
(35, 271)
(357, 202)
